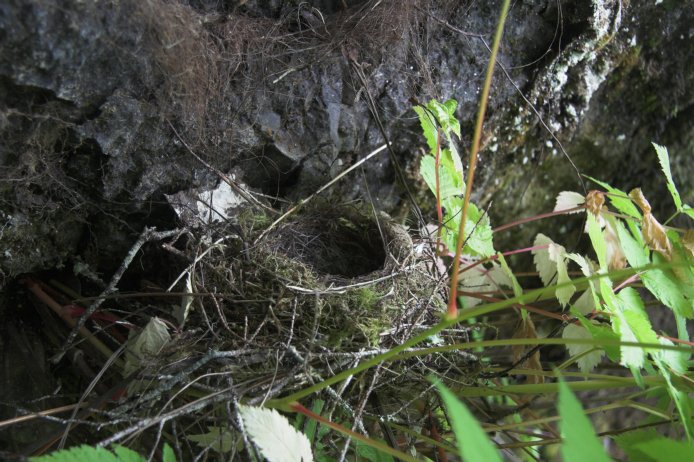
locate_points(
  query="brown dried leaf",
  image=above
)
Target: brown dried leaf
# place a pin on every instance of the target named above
(688, 242)
(655, 236)
(526, 329)
(637, 196)
(615, 255)
(595, 200)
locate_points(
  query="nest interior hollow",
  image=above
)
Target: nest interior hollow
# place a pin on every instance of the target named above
(334, 242)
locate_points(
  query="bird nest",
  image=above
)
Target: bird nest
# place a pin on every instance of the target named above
(268, 310)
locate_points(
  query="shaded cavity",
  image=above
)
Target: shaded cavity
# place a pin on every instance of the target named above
(334, 242)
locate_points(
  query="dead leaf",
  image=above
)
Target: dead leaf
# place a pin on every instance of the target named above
(637, 196)
(615, 255)
(595, 200)
(653, 232)
(688, 242)
(526, 329)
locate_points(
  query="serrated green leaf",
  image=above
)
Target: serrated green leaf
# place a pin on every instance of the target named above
(127, 455)
(445, 113)
(632, 324)
(272, 433)
(448, 185)
(600, 332)
(428, 124)
(546, 268)
(597, 239)
(473, 443)
(87, 453)
(669, 361)
(619, 199)
(579, 440)
(688, 211)
(477, 227)
(667, 289)
(481, 239)
(664, 160)
(587, 361)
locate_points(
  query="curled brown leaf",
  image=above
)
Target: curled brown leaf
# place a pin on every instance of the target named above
(595, 200)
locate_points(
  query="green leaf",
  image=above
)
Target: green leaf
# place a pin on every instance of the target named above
(669, 361)
(127, 455)
(473, 443)
(219, 439)
(546, 268)
(619, 199)
(667, 289)
(517, 289)
(628, 442)
(579, 440)
(477, 223)
(450, 159)
(481, 239)
(272, 433)
(86, 453)
(558, 254)
(428, 124)
(600, 332)
(445, 114)
(688, 210)
(449, 186)
(663, 448)
(637, 254)
(372, 454)
(664, 160)
(597, 238)
(168, 454)
(632, 325)
(589, 355)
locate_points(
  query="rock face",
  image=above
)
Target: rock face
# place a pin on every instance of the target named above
(100, 104)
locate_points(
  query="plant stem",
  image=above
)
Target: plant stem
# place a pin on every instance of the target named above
(477, 136)
(439, 211)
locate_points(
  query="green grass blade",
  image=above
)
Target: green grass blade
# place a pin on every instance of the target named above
(580, 443)
(473, 443)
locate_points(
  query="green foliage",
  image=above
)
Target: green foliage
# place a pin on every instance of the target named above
(578, 437)
(473, 443)
(439, 125)
(86, 453)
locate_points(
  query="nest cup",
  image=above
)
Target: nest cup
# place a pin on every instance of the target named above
(339, 274)
(342, 243)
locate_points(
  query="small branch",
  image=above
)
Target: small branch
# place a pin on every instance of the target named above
(149, 234)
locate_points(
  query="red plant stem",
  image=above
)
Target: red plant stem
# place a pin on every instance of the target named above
(297, 407)
(505, 254)
(443, 457)
(439, 210)
(64, 314)
(474, 150)
(536, 217)
(540, 311)
(677, 340)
